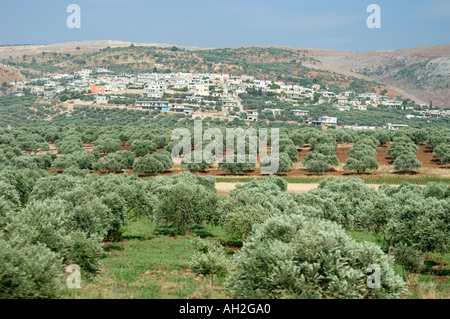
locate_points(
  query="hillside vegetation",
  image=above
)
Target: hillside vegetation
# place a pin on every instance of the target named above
(264, 63)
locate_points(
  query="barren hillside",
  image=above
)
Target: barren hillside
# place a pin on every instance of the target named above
(423, 73)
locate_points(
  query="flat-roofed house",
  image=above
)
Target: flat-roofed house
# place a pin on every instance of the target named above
(252, 115)
(153, 105)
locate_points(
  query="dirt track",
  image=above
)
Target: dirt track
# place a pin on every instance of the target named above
(226, 188)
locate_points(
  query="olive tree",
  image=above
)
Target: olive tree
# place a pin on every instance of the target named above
(148, 165)
(319, 163)
(80, 159)
(184, 204)
(404, 216)
(298, 257)
(165, 158)
(406, 162)
(442, 151)
(108, 145)
(235, 167)
(147, 145)
(28, 271)
(361, 158)
(400, 146)
(196, 167)
(209, 260)
(284, 162)
(252, 203)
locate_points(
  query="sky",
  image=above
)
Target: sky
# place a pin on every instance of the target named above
(327, 24)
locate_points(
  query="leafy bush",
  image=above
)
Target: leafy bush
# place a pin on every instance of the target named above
(184, 204)
(407, 257)
(209, 260)
(347, 202)
(28, 271)
(295, 257)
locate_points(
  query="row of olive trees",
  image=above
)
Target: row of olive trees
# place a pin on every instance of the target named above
(439, 141)
(323, 153)
(145, 140)
(363, 155)
(404, 152)
(48, 222)
(67, 216)
(411, 220)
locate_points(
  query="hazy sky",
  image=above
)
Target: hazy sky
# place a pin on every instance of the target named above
(329, 24)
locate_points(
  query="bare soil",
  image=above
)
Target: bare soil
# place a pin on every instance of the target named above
(342, 151)
(425, 156)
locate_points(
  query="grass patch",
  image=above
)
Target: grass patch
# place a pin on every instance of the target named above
(360, 236)
(431, 282)
(146, 264)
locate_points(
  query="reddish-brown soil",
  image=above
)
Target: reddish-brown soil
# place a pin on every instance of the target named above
(382, 156)
(126, 147)
(302, 153)
(342, 151)
(426, 157)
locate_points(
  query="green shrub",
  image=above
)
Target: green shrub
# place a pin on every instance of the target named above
(84, 251)
(407, 256)
(209, 260)
(183, 205)
(296, 257)
(28, 271)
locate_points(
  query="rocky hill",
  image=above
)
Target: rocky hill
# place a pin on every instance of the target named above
(423, 73)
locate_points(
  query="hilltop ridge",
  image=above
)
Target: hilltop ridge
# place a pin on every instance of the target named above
(421, 74)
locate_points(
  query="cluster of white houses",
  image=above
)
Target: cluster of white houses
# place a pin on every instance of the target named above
(226, 87)
(199, 88)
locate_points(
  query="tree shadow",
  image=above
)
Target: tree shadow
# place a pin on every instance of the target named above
(200, 231)
(137, 237)
(233, 244)
(114, 247)
(167, 230)
(410, 173)
(434, 268)
(282, 174)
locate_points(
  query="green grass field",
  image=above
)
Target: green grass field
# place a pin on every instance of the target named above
(150, 262)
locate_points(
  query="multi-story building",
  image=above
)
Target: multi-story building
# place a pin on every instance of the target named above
(326, 121)
(98, 90)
